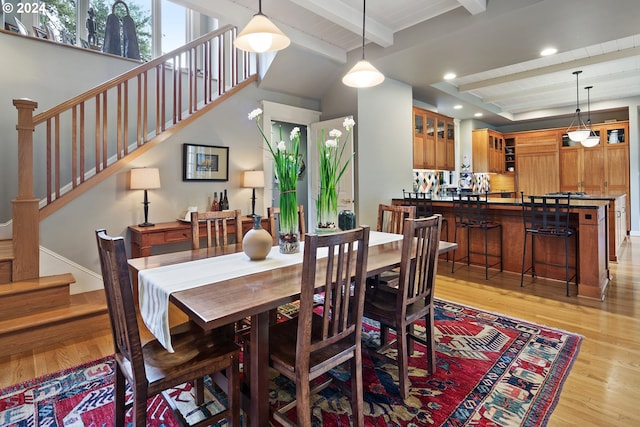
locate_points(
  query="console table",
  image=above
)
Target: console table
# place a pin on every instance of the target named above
(144, 238)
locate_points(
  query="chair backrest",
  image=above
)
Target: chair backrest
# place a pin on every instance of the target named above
(548, 214)
(470, 209)
(216, 222)
(120, 302)
(422, 202)
(343, 273)
(419, 262)
(273, 213)
(391, 217)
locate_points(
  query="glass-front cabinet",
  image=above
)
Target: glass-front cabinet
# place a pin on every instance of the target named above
(433, 140)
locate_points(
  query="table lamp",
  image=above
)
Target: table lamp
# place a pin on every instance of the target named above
(253, 179)
(145, 179)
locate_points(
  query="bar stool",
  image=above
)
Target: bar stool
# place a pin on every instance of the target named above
(470, 213)
(424, 209)
(548, 216)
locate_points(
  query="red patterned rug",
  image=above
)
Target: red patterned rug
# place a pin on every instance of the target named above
(492, 370)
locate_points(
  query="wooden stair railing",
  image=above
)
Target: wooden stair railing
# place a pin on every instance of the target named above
(68, 149)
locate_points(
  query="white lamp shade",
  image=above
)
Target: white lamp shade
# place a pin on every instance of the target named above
(579, 135)
(145, 178)
(591, 141)
(253, 179)
(261, 35)
(363, 74)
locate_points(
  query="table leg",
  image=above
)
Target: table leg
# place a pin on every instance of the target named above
(259, 412)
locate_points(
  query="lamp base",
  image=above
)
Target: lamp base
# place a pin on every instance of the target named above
(146, 224)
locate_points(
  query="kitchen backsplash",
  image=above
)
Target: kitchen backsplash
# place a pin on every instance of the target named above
(428, 181)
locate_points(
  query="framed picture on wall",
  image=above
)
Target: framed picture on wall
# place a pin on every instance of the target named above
(205, 163)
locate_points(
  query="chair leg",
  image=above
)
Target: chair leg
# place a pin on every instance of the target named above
(486, 253)
(119, 401)
(431, 343)
(468, 246)
(139, 408)
(303, 399)
(455, 240)
(566, 263)
(501, 258)
(524, 258)
(357, 389)
(198, 384)
(403, 362)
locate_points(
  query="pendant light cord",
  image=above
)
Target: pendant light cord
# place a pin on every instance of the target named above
(364, 6)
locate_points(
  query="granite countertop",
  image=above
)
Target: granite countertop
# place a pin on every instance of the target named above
(586, 201)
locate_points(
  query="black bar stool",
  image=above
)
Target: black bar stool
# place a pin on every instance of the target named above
(548, 216)
(470, 212)
(424, 209)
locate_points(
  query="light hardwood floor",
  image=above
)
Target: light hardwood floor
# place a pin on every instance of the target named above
(602, 389)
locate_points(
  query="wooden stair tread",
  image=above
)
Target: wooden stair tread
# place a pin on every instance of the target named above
(48, 317)
(29, 285)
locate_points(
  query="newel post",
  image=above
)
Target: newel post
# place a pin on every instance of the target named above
(26, 214)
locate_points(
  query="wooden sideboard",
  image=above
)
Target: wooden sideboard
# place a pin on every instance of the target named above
(143, 239)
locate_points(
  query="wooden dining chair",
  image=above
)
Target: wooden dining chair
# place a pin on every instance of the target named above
(217, 226)
(391, 217)
(400, 308)
(391, 220)
(319, 339)
(150, 368)
(273, 213)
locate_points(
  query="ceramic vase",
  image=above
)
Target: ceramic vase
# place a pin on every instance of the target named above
(256, 244)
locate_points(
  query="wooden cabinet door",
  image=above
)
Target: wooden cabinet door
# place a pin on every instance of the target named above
(617, 168)
(536, 171)
(451, 146)
(570, 169)
(593, 173)
(480, 150)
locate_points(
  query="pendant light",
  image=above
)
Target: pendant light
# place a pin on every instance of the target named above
(261, 35)
(581, 132)
(593, 139)
(363, 74)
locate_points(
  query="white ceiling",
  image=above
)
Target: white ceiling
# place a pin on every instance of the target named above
(492, 45)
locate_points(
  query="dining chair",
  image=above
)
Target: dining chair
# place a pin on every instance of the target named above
(273, 213)
(424, 209)
(391, 220)
(150, 368)
(401, 307)
(470, 212)
(216, 223)
(548, 217)
(321, 338)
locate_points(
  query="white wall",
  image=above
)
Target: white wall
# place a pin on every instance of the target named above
(48, 73)
(384, 152)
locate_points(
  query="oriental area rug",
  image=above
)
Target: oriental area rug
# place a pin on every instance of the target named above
(492, 370)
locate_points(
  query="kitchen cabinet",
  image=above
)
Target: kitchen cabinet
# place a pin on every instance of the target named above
(433, 141)
(509, 153)
(424, 139)
(487, 151)
(582, 169)
(537, 162)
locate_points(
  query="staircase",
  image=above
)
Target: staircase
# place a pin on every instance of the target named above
(87, 139)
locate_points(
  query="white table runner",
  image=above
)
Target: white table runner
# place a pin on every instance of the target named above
(156, 284)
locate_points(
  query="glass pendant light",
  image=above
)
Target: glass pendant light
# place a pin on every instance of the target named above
(363, 74)
(261, 35)
(581, 132)
(592, 140)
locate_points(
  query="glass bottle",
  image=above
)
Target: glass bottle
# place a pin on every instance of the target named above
(215, 205)
(224, 204)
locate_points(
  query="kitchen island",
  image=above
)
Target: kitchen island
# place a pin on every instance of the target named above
(589, 216)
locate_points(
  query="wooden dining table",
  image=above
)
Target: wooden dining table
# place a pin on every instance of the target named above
(255, 295)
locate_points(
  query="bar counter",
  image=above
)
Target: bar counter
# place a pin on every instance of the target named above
(589, 216)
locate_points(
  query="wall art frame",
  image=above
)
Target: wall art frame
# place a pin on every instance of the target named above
(205, 163)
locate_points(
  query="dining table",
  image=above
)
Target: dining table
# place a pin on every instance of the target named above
(216, 287)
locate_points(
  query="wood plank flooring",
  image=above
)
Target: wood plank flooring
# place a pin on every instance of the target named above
(603, 388)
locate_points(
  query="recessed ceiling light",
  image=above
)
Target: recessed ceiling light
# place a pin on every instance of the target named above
(457, 107)
(450, 76)
(548, 51)
(478, 114)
